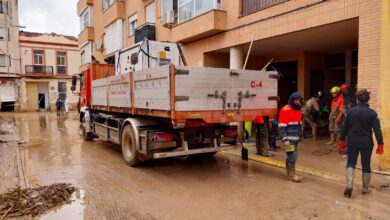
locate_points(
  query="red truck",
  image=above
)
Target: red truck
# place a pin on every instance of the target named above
(169, 110)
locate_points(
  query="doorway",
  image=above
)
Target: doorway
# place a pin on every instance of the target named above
(288, 81)
(41, 101)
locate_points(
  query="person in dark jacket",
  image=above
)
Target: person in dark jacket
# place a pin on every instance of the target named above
(59, 107)
(358, 126)
(290, 121)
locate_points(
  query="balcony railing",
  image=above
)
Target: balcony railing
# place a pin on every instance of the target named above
(250, 6)
(38, 69)
(148, 30)
(61, 70)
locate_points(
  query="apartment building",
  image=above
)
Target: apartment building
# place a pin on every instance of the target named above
(48, 62)
(313, 44)
(9, 56)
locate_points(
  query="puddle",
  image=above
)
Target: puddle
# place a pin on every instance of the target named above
(74, 210)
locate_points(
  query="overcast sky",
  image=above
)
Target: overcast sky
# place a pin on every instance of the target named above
(48, 16)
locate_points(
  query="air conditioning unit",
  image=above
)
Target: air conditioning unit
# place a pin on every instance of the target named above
(170, 17)
(99, 45)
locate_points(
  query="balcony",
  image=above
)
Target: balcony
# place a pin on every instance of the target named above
(251, 6)
(86, 35)
(61, 70)
(114, 12)
(145, 31)
(39, 70)
(209, 23)
(82, 4)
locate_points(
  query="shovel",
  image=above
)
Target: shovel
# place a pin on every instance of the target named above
(244, 151)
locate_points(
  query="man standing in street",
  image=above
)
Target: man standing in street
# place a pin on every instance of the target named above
(290, 120)
(335, 116)
(358, 126)
(58, 106)
(262, 135)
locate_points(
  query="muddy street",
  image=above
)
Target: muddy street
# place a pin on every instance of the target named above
(223, 187)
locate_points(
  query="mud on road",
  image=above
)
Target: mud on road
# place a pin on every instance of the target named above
(223, 187)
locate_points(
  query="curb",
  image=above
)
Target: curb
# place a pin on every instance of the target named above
(281, 164)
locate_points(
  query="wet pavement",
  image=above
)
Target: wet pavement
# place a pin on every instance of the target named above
(220, 188)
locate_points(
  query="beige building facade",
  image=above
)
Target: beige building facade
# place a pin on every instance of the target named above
(48, 63)
(9, 56)
(313, 44)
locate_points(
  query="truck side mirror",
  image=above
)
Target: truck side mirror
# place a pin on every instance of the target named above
(74, 82)
(134, 58)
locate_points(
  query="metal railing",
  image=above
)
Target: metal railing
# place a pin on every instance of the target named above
(61, 69)
(250, 6)
(39, 69)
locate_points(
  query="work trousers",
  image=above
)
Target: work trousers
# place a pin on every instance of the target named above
(59, 112)
(365, 156)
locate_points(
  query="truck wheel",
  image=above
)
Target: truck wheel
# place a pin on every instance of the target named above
(87, 136)
(129, 148)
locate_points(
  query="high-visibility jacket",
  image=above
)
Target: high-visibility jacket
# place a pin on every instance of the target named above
(290, 121)
(337, 105)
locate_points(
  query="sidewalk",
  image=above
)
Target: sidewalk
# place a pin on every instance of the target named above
(11, 170)
(317, 159)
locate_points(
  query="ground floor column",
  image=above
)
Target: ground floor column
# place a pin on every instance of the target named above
(237, 62)
(384, 103)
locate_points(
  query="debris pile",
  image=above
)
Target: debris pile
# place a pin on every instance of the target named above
(34, 201)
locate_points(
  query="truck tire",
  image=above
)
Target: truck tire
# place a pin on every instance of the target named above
(129, 146)
(87, 136)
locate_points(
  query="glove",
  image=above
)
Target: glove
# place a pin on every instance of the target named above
(342, 147)
(288, 147)
(285, 145)
(379, 149)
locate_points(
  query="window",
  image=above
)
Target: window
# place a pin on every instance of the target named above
(2, 60)
(38, 57)
(1, 7)
(168, 8)
(132, 25)
(192, 8)
(108, 3)
(2, 33)
(62, 90)
(61, 62)
(85, 18)
(151, 13)
(83, 57)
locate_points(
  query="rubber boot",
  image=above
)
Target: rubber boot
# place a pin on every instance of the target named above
(335, 139)
(331, 138)
(314, 131)
(349, 187)
(290, 167)
(366, 177)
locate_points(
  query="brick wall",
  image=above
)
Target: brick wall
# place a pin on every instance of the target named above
(369, 48)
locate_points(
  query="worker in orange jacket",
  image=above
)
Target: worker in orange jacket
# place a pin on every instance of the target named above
(290, 125)
(262, 132)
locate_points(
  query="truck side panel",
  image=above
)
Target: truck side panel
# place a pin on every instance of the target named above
(99, 92)
(213, 89)
(119, 91)
(152, 89)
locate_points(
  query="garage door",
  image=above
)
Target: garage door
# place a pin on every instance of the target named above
(7, 93)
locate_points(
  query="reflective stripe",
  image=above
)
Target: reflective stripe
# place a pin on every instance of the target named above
(282, 125)
(291, 138)
(294, 123)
